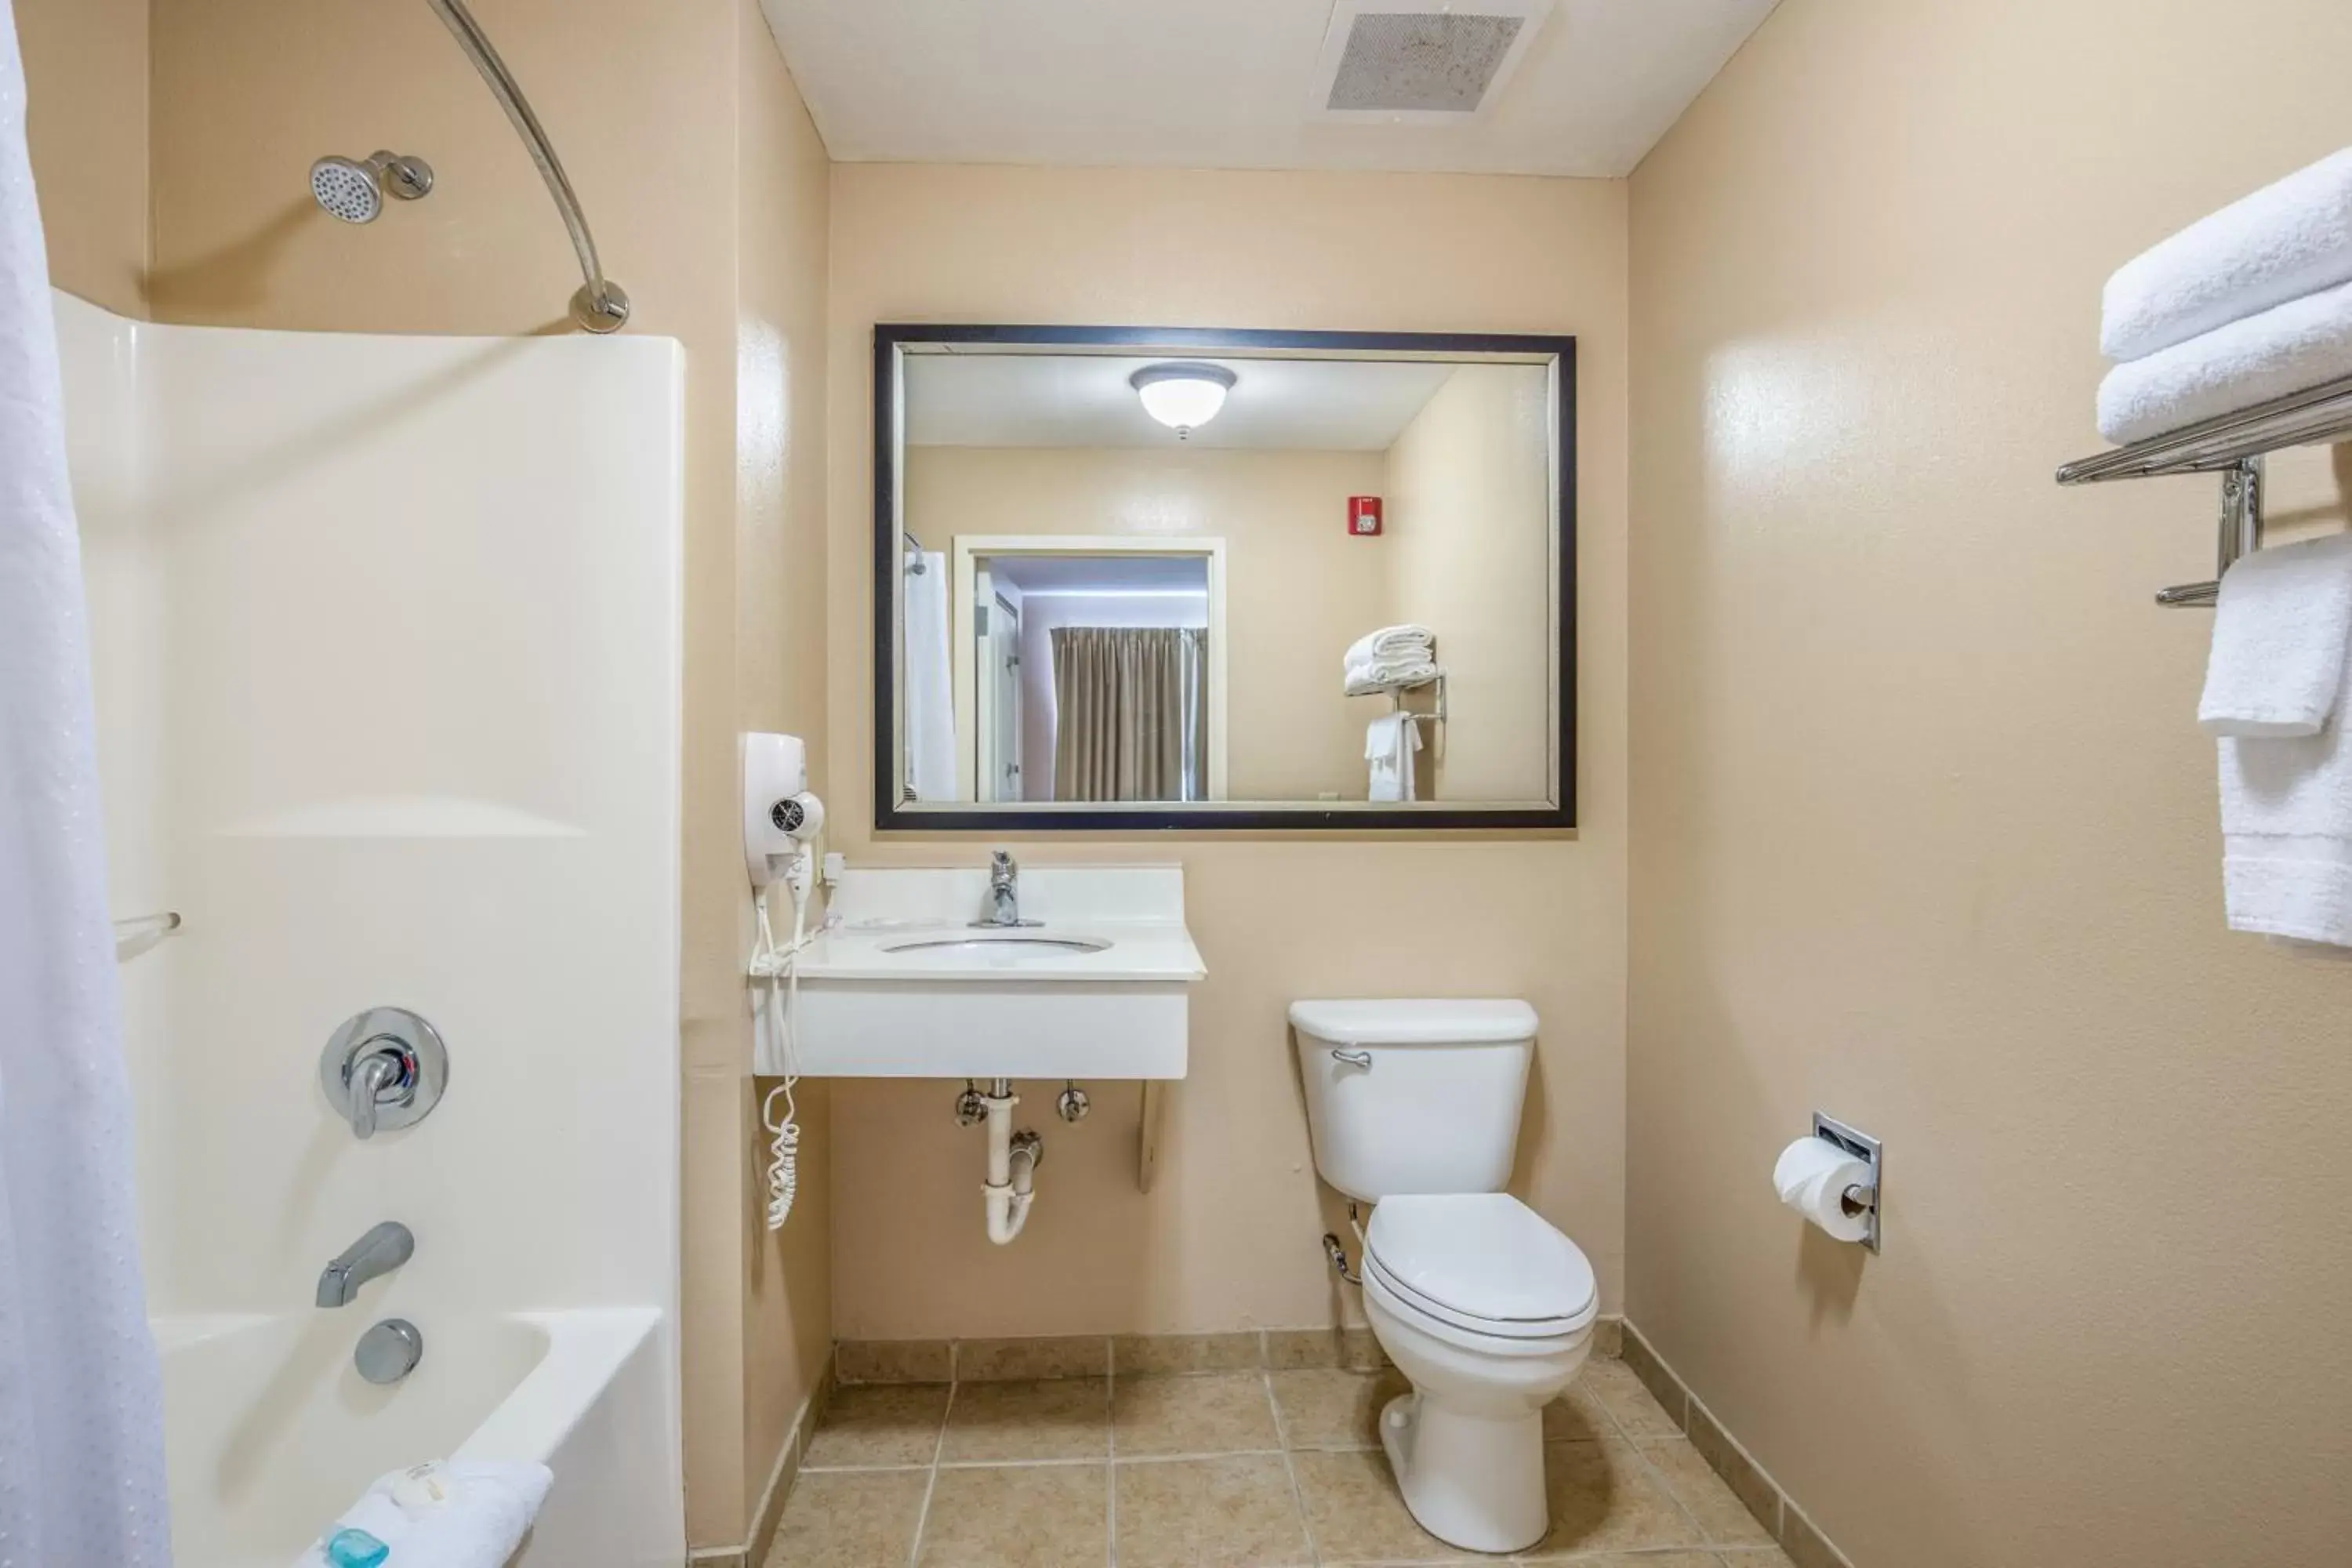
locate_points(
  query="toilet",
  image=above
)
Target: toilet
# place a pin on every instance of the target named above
(1414, 1107)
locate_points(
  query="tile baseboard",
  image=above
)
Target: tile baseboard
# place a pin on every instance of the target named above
(1348, 1346)
(1774, 1508)
(781, 1478)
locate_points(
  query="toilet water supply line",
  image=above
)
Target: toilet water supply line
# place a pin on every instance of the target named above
(1012, 1167)
(779, 967)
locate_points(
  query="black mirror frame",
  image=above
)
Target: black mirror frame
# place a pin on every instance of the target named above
(893, 816)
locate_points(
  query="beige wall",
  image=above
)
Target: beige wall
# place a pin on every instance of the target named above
(1468, 538)
(1298, 589)
(1229, 1237)
(782, 189)
(86, 83)
(1924, 832)
(706, 184)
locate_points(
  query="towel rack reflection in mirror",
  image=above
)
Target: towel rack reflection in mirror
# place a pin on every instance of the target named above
(2234, 446)
(1434, 716)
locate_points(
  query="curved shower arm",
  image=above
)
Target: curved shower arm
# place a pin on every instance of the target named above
(600, 306)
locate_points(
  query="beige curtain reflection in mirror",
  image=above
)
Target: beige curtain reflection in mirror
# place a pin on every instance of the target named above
(1129, 716)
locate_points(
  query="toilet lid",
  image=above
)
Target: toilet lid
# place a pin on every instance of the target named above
(1484, 1257)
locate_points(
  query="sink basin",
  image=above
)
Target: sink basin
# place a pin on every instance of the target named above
(1012, 946)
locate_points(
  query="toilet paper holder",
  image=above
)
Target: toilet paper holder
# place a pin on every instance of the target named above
(1861, 1198)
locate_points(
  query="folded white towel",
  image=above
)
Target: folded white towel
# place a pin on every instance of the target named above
(2285, 349)
(1386, 674)
(1406, 641)
(2286, 241)
(2287, 833)
(455, 1515)
(2279, 637)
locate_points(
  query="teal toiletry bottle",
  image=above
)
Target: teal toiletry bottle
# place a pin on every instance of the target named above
(355, 1549)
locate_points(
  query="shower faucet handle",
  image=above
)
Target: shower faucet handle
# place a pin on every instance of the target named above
(385, 1068)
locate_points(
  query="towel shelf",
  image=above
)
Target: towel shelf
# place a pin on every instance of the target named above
(1436, 715)
(2306, 418)
(2234, 446)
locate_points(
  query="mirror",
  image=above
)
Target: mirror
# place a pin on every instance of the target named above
(1152, 578)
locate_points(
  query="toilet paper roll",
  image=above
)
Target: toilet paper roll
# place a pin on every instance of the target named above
(1811, 1176)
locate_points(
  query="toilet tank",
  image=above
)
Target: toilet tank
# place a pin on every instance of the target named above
(1420, 1096)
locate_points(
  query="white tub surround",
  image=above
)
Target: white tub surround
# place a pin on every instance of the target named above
(387, 648)
(905, 985)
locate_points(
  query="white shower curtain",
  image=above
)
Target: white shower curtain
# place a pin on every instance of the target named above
(930, 695)
(81, 1425)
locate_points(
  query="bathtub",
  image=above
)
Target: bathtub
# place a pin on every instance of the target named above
(270, 1433)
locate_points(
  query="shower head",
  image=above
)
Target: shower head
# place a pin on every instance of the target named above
(354, 191)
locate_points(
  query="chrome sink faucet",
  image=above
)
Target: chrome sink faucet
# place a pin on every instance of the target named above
(1004, 894)
(382, 1249)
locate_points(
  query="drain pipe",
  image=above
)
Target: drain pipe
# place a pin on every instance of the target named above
(1012, 1159)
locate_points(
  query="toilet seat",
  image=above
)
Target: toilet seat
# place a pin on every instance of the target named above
(1480, 1263)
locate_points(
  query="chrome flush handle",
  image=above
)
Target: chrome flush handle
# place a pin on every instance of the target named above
(1353, 1058)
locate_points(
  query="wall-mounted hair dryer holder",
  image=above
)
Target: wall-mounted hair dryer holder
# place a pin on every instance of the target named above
(780, 816)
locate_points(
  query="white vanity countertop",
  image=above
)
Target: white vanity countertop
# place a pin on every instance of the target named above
(1158, 952)
(1137, 909)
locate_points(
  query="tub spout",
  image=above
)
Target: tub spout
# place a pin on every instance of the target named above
(384, 1249)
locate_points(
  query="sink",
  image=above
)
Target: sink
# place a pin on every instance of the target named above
(1011, 946)
(902, 985)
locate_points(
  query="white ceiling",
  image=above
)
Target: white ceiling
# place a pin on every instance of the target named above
(1083, 400)
(1227, 84)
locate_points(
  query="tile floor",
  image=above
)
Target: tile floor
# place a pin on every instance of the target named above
(1221, 1469)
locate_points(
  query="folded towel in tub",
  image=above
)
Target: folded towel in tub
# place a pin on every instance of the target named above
(2286, 241)
(2286, 349)
(454, 1515)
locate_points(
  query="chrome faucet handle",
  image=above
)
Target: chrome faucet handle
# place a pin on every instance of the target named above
(1002, 868)
(384, 1068)
(381, 1070)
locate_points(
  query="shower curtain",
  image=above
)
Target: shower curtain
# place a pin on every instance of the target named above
(1129, 721)
(930, 694)
(82, 1444)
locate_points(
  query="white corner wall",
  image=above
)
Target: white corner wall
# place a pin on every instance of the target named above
(386, 632)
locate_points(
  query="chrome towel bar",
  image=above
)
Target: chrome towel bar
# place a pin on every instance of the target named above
(2234, 446)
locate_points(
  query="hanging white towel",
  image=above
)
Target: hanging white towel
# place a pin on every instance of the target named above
(2279, 637)
(2286, 833)
(2285, 349)
(2286, 241)
(1390, 742)
(930, 684)
(81, 1417)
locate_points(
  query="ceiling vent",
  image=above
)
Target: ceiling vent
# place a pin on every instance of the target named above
(1421, 61)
